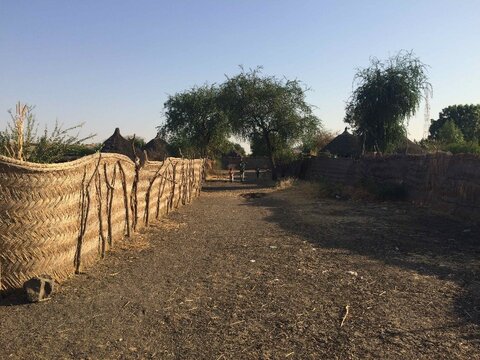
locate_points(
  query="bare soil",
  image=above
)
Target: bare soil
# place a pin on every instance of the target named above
(249, 272)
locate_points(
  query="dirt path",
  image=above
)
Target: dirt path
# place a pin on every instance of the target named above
(253, 276)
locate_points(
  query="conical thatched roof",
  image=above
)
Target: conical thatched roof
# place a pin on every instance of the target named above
(118, 144)
(344, 145)
(348, 145)
(156, 149)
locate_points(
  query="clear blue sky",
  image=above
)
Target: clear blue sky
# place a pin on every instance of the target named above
(112, 63)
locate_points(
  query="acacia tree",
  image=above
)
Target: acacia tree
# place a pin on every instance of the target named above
(267, 108)
(465, 117)
(387, 93)
(195, 123)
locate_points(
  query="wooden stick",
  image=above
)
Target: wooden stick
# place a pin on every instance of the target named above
(346, 314)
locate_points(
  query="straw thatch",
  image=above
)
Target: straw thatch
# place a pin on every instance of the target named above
(57, 219)
(156, 149)
(119, 145)
(348, 145)
(344, 145)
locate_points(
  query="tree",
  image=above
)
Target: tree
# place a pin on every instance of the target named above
(316, 141)
(267, 108)
(465, 117)
(195, 123)
(449, 133)
(387, 93)
(234, 147)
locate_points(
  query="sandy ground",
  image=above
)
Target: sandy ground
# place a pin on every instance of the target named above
(246, 272)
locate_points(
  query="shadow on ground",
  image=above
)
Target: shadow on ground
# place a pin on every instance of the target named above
(396, 234)
(13, 298)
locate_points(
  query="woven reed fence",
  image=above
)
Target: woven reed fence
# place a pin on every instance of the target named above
(447, 182)
(58, 219)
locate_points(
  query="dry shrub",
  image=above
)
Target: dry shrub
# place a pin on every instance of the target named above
(285, 183)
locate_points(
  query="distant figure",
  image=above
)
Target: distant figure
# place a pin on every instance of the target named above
(242, 166)
(257, 171)
(230, 174)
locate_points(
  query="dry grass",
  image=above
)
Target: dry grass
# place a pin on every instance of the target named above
(285, 183)
(137, 243)
(169, 225)
(140, 241)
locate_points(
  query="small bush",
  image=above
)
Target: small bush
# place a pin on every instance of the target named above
(463, 148)
(20, 140)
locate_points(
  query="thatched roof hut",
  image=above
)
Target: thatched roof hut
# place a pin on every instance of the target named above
(409, 147)
(344, 145)
(156, 149)
(348, 145)
(118, 144)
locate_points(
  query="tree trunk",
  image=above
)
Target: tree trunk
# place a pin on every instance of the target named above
(271, 157)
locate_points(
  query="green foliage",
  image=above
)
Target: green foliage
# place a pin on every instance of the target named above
(471, 147)
(80, 150)
(315, 141)
(465, 117)
(269, 110)
(387, 93)
(138, 141)
(195, 123)
(231, 146)
(449, 133)
(50, 147)
(463, 147)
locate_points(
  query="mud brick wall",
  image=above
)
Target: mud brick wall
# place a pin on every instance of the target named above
(58, 219)
(447, 182)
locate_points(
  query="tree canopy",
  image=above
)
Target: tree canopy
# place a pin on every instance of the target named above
(234, 147)
(449, 133)
(465, 117)
(266, 107)
(387, 93)
(194, 122)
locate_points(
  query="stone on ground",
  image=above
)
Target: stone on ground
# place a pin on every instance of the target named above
(38, 288)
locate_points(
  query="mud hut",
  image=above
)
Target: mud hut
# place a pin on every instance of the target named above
(118, 144)
(344, 145)
(156, 149)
